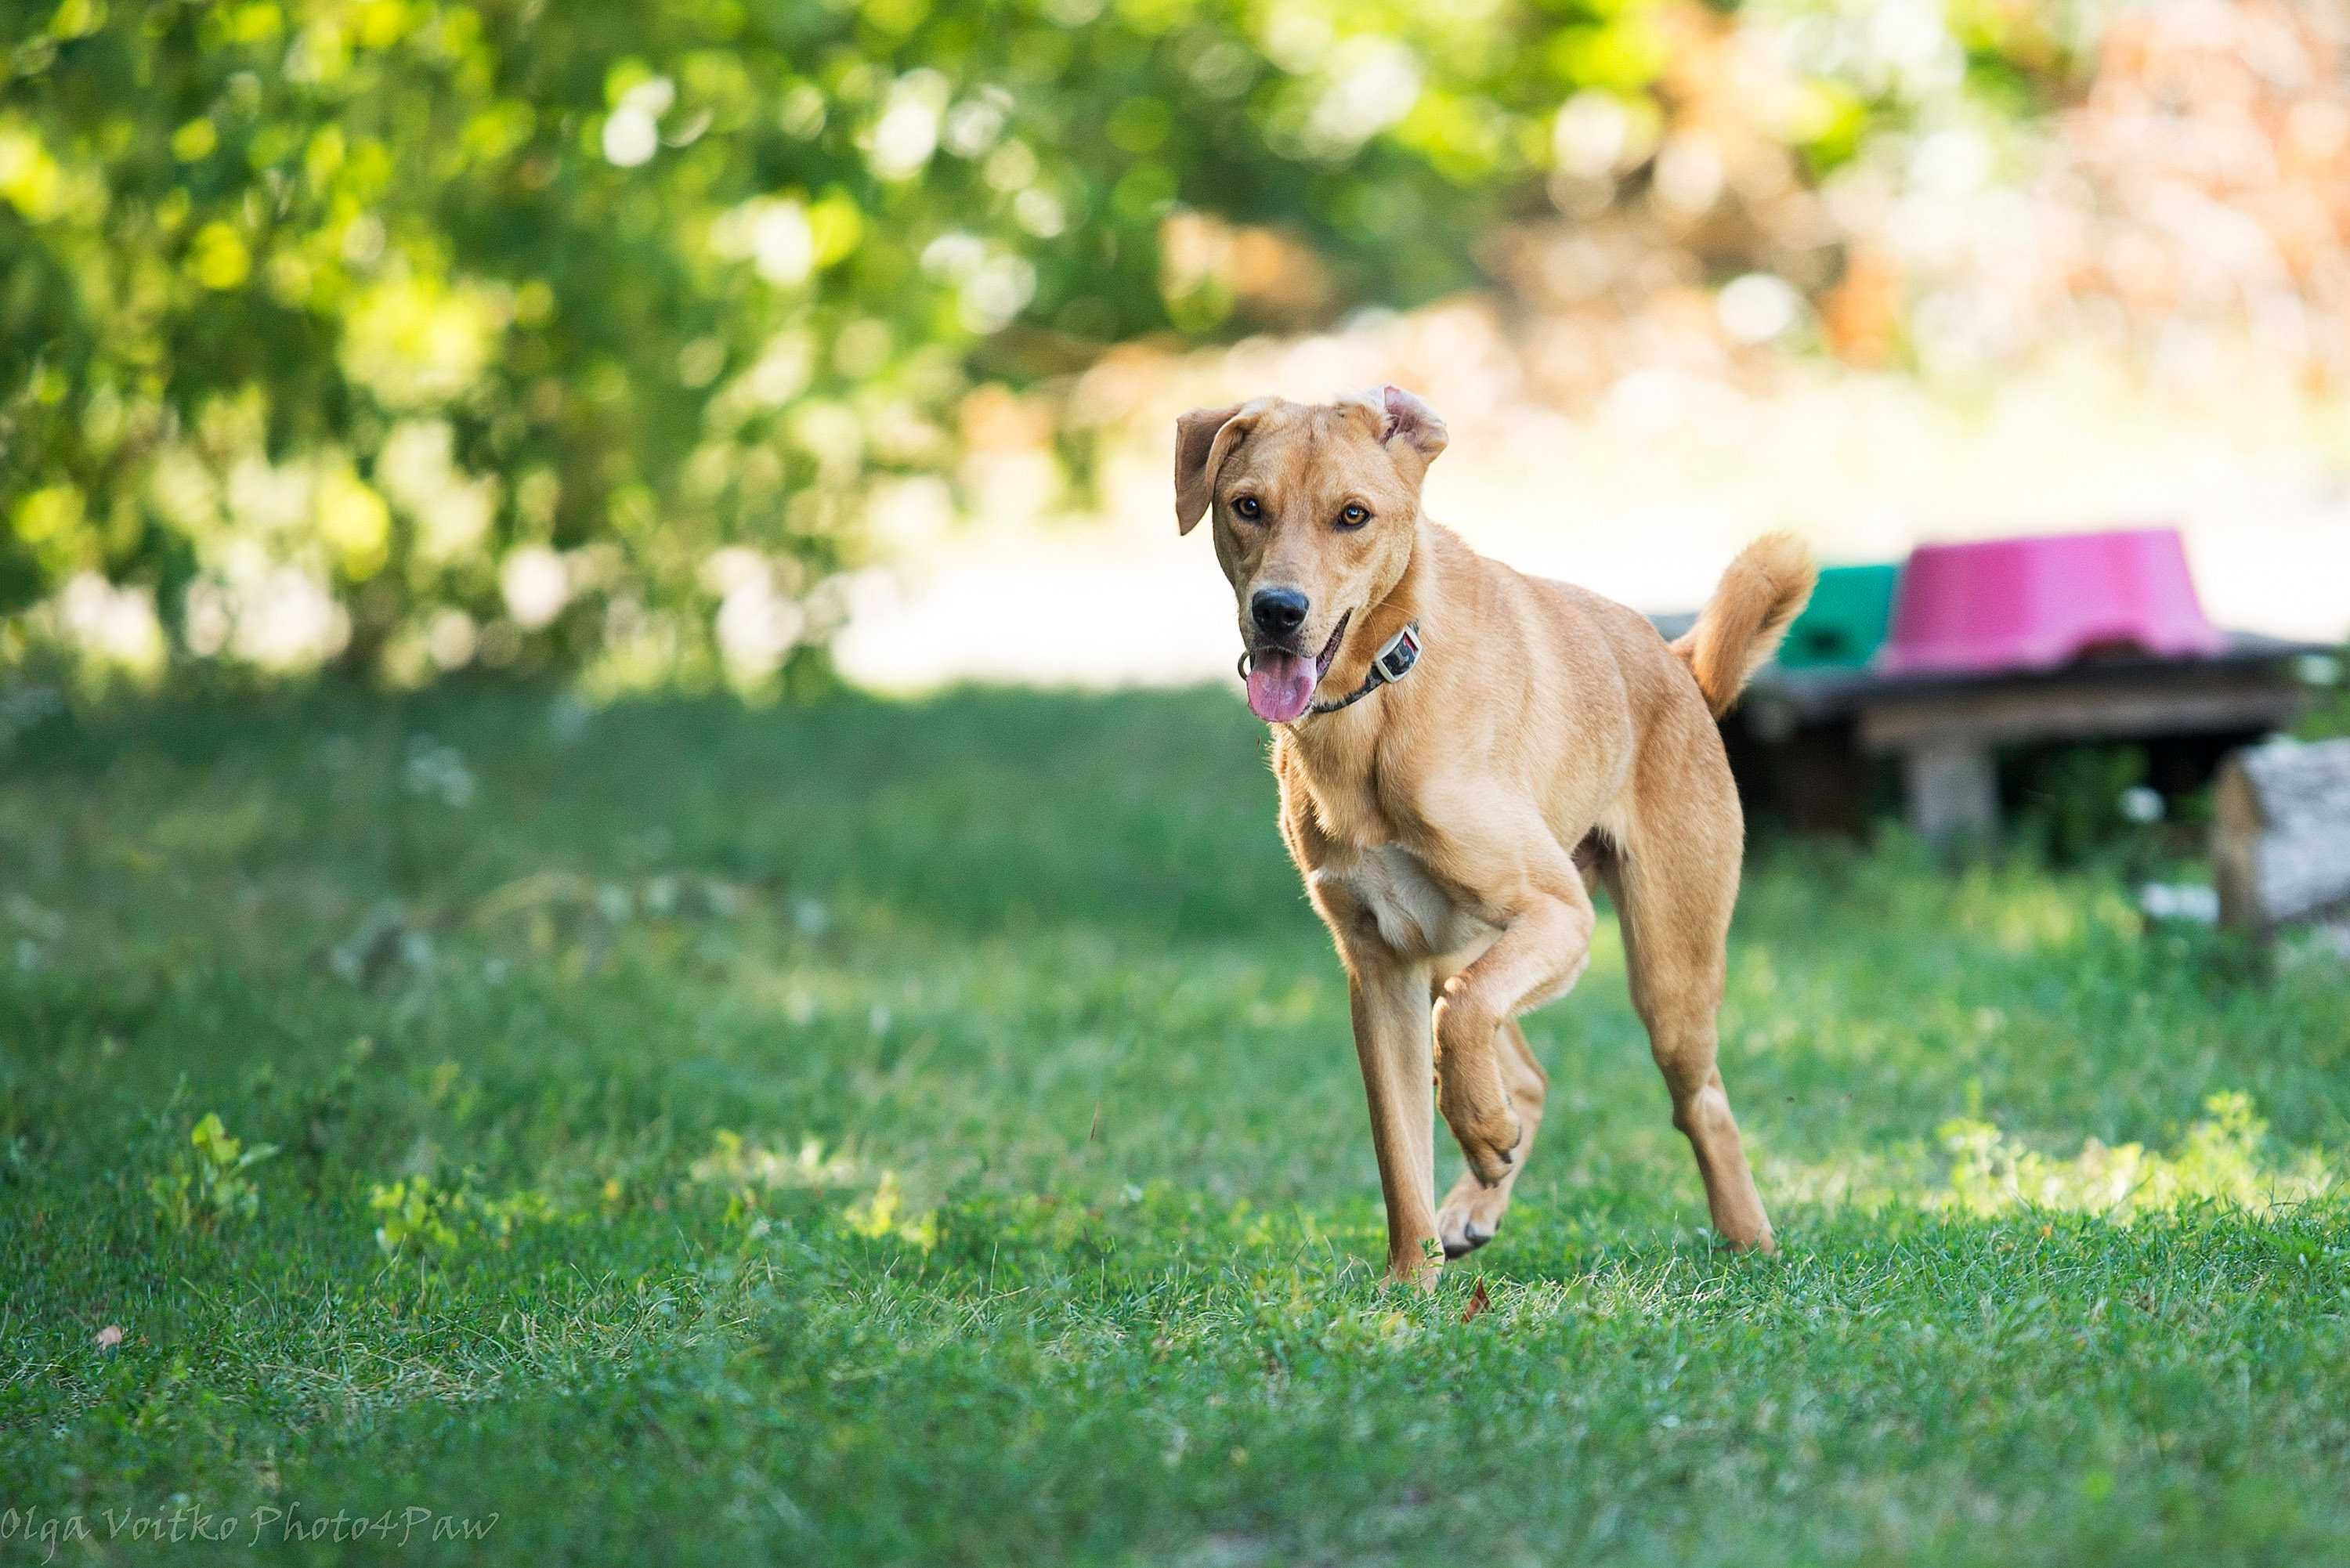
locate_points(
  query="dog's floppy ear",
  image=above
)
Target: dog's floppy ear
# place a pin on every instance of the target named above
(1411, 423)
(1203, 439)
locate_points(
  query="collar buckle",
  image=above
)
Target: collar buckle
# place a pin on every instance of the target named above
(1394, 661)
(1391, 663)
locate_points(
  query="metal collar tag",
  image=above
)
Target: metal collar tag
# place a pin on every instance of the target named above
(1390, 664)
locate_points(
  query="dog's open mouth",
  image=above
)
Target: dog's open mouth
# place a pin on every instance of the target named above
(1281, 682)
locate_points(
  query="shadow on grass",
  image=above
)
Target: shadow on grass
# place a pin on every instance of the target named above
(974, 810)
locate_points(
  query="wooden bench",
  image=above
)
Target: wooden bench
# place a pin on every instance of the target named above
(1801, 740)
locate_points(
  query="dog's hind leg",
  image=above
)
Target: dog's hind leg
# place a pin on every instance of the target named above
(1471, 1210)
(1676, 903)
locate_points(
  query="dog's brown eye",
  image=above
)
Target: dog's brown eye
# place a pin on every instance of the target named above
(1354, 516)
(1246, 506)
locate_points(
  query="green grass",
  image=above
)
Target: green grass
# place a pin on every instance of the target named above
(1039, 959)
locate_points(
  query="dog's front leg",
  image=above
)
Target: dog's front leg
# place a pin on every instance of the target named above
(1389, 998)
(1542, 951)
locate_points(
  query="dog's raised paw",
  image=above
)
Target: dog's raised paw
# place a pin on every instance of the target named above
(1493, 1151)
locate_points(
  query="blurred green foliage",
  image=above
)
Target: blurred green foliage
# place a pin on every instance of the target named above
(413, 333)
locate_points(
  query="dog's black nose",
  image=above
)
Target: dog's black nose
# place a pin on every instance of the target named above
(1278, 612)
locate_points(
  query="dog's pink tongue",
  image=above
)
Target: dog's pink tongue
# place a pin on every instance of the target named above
(1280, 687)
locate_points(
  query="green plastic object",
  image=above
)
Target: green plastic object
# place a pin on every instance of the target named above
(1846, 621)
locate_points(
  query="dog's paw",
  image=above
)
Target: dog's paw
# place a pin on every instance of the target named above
(1462, 1231)
(1471, 1215)
(1419, 1266)
(1470, 1092)
(1483, 1123)
(1488, 1142)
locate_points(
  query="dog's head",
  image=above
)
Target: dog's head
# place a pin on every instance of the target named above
(1316, 506)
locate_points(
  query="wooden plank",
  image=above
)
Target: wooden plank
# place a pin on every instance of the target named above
(2185, 701)
(2281, 832)
(1818, 695)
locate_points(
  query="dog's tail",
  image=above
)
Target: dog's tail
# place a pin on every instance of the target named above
(1763, 590)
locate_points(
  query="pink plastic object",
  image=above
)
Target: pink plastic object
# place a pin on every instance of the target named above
(2031, 604)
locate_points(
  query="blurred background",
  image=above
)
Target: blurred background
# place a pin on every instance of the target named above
(728, 343)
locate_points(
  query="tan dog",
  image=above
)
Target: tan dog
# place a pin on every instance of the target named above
(1451, 824)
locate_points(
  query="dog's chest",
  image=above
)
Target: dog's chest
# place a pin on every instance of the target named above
(1392, 888)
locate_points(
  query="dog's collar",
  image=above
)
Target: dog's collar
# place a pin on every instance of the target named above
(1390, 664)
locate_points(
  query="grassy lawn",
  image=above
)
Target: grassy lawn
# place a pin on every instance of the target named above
(929, 1135)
